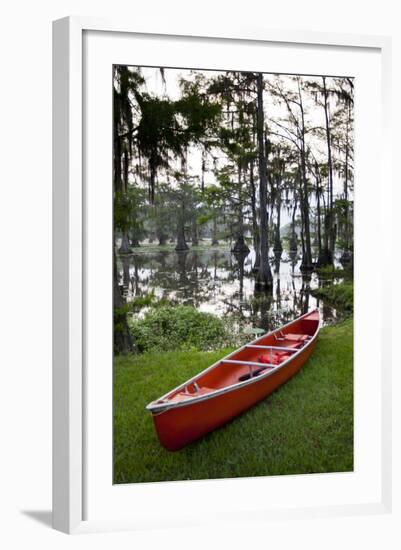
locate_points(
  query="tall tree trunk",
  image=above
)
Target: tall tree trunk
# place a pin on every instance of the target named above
(294, 240)
(203, 171)
(326, 258)
(135, 242)
(122, 338)
(215, 242)
(117, 153)
(346, 257)
(125, 163)
(161, 235)
(346, 213)
(264, 274)
(125, 246)
(240, 246)
(152, 179)
(319, 223)
(307, 263)
(240, 257)
(330, 218)
(194, 230)
(302, 225)
(325, 253)
(278, 247)
(117, 160)
(255, 226)
(125, 242)
(181, 242)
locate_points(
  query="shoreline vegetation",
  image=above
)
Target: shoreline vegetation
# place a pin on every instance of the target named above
(287, 433)
(161, 325)
(339, 295)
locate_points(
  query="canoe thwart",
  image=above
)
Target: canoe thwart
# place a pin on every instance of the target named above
(278, 348)
(247, 363)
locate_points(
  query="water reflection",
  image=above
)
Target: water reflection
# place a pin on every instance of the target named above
(222, 283)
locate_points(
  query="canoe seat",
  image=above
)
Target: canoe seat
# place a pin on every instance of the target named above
(200, 391)
(204, 389)
(183, 394)
(296, 337)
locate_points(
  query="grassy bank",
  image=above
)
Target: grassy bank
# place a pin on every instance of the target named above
(331, 272)
(306, 426)
(340, 295)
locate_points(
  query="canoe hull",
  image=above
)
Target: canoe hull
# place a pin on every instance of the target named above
(178, 426)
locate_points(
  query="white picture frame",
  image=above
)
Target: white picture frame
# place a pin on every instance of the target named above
(70, 258)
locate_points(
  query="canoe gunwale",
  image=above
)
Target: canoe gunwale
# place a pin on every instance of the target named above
(159, 408)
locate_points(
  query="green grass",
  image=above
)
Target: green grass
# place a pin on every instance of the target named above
(340, 295)
(306, 426)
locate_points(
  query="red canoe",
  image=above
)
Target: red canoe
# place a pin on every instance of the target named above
(234, 383)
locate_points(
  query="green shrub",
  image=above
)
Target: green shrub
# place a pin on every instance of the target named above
(330, 271)
(169, 328)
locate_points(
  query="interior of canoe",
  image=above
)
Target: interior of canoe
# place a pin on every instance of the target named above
(267, 352)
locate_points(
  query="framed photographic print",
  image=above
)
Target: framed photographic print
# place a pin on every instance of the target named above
(213, 227)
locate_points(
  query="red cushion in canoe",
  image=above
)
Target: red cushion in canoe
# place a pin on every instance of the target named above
(274, 358)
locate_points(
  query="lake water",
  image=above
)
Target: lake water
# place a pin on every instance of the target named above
(215, 281)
